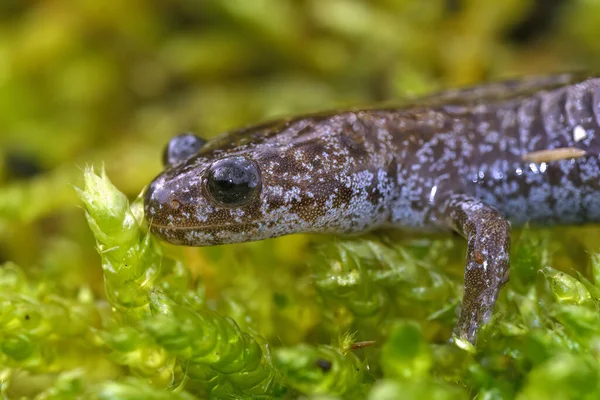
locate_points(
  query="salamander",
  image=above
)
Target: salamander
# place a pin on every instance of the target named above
(474, 161)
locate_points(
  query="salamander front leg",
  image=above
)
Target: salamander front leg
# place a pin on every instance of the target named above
(487, 267)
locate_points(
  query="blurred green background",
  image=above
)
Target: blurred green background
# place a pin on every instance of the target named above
(109, 82)
(86, 81)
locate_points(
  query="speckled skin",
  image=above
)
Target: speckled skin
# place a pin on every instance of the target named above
(454, 161)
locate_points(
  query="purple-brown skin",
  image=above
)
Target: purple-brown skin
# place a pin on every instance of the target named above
(466, 160)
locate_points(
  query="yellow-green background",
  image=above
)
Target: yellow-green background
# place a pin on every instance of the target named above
(109, 82)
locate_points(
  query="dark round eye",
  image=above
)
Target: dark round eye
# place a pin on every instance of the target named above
(181, 147)
(233, 182)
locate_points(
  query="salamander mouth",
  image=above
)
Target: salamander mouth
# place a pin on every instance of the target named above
(207, 235)
(239, 227)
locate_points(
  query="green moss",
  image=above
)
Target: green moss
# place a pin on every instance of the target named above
(95, 307)
(158, 331)
(323, 370)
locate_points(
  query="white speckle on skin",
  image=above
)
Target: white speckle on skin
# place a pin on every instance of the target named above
(292, 195)
(579, 133)
(432, 194)
(533, 168)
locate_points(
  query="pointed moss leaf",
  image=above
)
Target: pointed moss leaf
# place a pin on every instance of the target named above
(591, 287)
(565, 288)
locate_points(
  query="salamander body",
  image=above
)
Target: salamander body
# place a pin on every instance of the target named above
(468, 160)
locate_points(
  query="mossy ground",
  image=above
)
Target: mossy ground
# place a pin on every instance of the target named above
(107, 83)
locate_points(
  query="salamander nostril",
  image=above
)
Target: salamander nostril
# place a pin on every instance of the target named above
(175, 204)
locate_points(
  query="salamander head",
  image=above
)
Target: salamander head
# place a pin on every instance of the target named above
(254, 185)
(207, 202)
(239, 194)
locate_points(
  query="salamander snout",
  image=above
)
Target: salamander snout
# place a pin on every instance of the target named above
(169, 201)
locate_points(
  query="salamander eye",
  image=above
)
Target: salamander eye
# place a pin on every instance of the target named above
(181, 147)
(232, 182)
